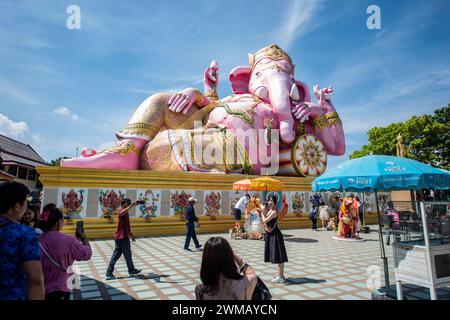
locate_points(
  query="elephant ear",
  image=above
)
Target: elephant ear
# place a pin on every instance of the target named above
(240, 78)
(303, 90)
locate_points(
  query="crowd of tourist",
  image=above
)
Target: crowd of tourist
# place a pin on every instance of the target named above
(35, 257)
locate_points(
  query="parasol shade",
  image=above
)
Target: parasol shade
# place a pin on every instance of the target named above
(266, 183)
(243, 185)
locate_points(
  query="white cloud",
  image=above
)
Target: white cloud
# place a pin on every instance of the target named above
(20, 131)
(15, 130)
(300, 21)
(66, 112)
(62, 110)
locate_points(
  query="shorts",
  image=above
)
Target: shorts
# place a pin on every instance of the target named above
(237, 214)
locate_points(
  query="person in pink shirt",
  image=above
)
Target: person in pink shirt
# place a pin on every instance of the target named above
(395, 222)
(59, 252)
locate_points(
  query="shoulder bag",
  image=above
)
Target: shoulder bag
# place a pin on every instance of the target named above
(51, 259)
(261, 291)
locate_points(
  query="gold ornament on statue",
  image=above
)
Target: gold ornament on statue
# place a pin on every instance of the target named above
(124, 148)
(212, 95)
(273, 52)
(402, 150)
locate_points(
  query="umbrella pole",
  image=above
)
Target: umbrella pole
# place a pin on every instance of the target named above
(383, 253)
(416, 203)
(364, 209)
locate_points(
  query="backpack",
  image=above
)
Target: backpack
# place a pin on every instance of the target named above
(313, 214)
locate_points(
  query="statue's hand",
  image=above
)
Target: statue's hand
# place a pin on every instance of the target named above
(304, 110)
(322, 94)
(211, 73)
(182, 100)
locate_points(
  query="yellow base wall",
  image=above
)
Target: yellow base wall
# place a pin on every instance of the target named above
(97, 178)
(103, 228)
(57, 177)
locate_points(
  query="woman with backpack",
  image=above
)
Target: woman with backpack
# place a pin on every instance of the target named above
(274, 250)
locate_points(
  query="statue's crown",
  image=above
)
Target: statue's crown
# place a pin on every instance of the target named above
(272, 51)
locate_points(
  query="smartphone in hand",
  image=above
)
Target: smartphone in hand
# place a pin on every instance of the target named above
(79, 229)
(140, 202)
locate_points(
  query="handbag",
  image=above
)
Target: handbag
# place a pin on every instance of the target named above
(261, 291)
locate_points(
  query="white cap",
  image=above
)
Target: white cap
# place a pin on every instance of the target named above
(192, 199)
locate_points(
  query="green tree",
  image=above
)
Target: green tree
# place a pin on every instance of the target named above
(56, 162)
(427, 138)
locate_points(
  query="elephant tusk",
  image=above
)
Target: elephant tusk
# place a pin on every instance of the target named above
(294, 94)
(262, 92)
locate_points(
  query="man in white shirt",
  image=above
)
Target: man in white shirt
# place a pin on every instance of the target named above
(240, 207)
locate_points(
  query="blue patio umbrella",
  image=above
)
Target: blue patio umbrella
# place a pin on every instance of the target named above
(380, 172)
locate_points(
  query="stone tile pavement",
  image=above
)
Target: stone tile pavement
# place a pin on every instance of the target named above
(318, 268)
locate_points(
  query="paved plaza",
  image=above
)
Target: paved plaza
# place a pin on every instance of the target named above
(318, 268)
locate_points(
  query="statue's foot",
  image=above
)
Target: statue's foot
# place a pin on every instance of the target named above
(124, 155)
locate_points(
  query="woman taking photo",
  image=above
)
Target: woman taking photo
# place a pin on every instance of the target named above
(59, 252)
(225, 276)
(274, 250)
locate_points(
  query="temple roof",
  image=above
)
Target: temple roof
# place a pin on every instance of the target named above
(18, 153)
(6, 176)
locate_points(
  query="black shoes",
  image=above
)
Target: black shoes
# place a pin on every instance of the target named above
(199, 248)
(109, 276)
(134, 272)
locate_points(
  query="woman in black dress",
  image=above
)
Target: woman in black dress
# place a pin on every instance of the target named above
(274, 250)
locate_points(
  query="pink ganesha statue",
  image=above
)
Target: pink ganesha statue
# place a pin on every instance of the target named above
(267, 126)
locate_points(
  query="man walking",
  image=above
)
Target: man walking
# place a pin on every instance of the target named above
(122, 240)
(191, 220)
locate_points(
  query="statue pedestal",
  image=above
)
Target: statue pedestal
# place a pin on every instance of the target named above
(165, 194)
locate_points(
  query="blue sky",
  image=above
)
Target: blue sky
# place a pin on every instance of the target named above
(61, 89)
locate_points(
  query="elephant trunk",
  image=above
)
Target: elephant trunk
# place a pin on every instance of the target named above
(279, 86)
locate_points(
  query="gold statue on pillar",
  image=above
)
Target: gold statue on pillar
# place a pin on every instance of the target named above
(402, 150)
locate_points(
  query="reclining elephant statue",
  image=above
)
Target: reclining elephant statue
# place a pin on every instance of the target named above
(268, 122)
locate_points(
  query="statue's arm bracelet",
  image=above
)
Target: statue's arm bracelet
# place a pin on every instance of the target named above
(333, 118)
(212, 95)
(326, 120)
(198, 97)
